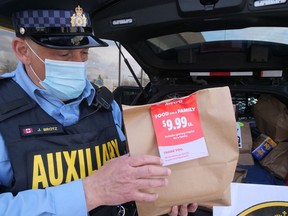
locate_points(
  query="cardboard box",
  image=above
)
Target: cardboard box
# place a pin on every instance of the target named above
(245, 143)
(255, 199)
(246, 159)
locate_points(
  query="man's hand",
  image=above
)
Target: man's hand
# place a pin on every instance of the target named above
(183, 209)
(123, 179)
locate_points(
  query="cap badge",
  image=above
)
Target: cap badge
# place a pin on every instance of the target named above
(78, 19)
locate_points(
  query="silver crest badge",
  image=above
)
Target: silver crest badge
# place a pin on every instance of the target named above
(78, 19)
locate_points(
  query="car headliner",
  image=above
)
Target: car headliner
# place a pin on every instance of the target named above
(155, 17)
(159, 15)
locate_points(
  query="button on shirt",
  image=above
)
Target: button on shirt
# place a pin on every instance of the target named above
(66, 199)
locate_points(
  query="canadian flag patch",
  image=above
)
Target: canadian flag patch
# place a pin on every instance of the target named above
(27, 130)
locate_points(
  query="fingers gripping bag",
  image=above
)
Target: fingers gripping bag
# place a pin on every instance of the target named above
(196, 137)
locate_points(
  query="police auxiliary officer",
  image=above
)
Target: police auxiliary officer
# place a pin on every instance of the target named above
(62, 152)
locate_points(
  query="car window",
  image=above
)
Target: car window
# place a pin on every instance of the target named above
(8, 60)
(105, 66)
(267, 34)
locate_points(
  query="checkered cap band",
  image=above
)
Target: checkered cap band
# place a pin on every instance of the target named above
(45, 18)
(57, 29)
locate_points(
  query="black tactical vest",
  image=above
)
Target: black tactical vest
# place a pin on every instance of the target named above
(44, 153)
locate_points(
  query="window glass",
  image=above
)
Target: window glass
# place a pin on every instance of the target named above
(267, 34)
(107, 66)
(8, 60)
(104, 67)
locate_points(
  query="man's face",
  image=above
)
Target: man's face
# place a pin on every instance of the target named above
(77, 55)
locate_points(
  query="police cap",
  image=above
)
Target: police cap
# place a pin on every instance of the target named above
(57, 29)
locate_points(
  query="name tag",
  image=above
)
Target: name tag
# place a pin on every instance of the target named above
(32, 130)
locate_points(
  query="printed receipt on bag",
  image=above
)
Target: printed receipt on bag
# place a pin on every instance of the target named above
(178, 130)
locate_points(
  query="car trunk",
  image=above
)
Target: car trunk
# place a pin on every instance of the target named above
(254, 69)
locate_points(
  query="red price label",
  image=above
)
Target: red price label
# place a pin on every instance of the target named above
(177, 121)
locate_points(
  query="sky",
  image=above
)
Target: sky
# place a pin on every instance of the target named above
(103, 61)
(273, 34)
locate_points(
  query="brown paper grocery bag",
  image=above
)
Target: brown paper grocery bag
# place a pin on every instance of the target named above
(271, 116)
(204, 180)
(276, 161)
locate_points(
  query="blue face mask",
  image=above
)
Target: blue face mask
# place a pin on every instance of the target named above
(64, 79)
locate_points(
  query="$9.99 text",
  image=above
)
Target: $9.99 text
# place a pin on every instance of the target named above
(175, 124)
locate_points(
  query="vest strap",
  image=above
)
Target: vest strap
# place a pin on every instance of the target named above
(8, 107)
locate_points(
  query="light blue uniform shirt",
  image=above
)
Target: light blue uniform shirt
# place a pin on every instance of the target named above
(66, 199)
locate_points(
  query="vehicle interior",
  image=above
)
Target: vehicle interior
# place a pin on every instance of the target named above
(199, 44)
(184, 46)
